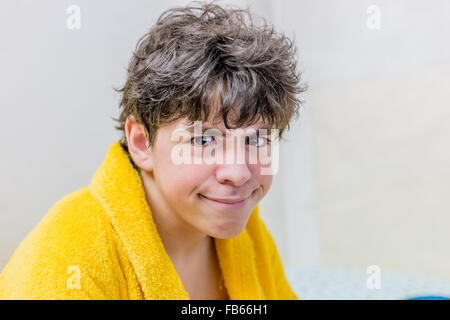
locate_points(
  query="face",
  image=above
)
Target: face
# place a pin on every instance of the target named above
(214, 197)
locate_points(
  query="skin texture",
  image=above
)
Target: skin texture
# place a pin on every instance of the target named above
(180, 198)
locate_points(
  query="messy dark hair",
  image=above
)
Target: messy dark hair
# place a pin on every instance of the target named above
(202, 56)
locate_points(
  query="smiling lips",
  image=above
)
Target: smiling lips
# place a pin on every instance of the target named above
(227, 202)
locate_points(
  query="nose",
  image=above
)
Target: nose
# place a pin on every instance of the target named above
(234, 170)
(235, 174)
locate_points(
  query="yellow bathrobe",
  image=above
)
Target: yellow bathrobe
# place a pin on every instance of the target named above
(100, 242)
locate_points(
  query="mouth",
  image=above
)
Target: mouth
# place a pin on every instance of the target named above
(225, 203)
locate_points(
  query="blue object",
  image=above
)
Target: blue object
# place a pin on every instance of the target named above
(429, 298)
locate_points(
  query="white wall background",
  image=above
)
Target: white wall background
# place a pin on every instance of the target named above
(379, 104)
(363, 178)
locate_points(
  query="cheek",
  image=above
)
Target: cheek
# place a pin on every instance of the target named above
(266, 182)
(182, 181)
(263, 181)
(174, 179)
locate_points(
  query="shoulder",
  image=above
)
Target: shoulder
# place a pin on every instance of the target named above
(72, 245)
(75, 216)
(74, 221)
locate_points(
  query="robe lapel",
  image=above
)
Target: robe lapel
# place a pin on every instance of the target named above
(237, 261)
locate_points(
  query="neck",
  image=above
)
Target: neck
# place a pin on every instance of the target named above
(180, 239)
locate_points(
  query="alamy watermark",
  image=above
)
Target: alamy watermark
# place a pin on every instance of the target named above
(374, 280)
(373, 21)
(73, 21)
(74, 279)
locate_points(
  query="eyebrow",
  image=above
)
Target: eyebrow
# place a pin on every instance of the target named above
(206, 127)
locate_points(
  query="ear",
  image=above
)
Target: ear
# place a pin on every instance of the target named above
(137, 144)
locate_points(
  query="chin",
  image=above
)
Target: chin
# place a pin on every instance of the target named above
(227, 232)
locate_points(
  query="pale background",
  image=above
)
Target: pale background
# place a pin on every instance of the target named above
(364, 178)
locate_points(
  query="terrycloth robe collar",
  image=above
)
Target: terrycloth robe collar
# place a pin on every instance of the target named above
(118, 187)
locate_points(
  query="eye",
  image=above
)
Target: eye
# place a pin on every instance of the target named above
(256, 141)
(202, 140)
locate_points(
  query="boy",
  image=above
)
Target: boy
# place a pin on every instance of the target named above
(150, 226)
